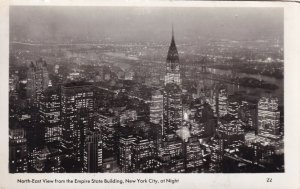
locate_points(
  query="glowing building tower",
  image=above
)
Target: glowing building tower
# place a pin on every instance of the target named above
(37, 80)
(268, 117)
(172, 102)
(156, 107)
(93, 152)
(50, 114)
(222, 103)
(173, 66)
(77, 118)
(17, 149)
(125, 153)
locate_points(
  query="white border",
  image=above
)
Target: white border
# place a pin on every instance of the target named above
(288, 180)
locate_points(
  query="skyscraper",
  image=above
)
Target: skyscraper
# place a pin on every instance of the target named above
(93, 152)
(233, 107)
(194, 159)
(17, 148)
(171, 155)
(268, 117)
(37, 80)
(77, 118)
(217, 154)
(50, 114)
(222, 103)
(108, 124)
(125, 153)
(156, 107)
(172, 111)
(143, 152)
(173, 66)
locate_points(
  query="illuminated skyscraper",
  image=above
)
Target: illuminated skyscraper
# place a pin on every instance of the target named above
(248, 114)
(171, 155)
(93, 152)
(172, 111)
(17, 149)
(173, 66)
(77, 118)
(108, 124)
(222, 103)
(217, 154)
(37, 80)
(50, 113)
(125, 153)
(194, 159)
(231, 131)
(143, 152)
(233, 107)
(156, 108)
(268, 117)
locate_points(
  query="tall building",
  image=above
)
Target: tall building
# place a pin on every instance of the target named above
(173, 66)
(222, 103)
(172, 114)
(156, 108)
(108, 125)
(93, 152)
(217, 155)
(77, 118)
(143, 152)
(50, 114)
(231, 131)
(171, 155)
(194, 159)
(37, 80)
(17, 149)
(126, 153)
(233, 107)
(248, 115)
(35, 135)
(172, 102)
(202, 118)
(268, 117)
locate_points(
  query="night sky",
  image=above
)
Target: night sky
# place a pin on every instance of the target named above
(144, 24)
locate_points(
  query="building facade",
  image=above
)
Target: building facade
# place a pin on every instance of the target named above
(172, 102)
(77, 118)
(268, 117)
(50, 114)
(37, 80)
(93, 152)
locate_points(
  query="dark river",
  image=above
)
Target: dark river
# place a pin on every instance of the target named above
(255, 91)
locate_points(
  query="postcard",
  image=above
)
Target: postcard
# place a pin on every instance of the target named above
(138, 94)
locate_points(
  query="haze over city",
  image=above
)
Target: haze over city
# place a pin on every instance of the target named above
(144, 24)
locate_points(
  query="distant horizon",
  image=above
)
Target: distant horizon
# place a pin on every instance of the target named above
(144, 24)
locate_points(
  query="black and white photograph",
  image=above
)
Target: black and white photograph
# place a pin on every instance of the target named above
(146, 89)
(149, 94)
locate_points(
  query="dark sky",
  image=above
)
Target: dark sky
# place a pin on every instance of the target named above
(145, 24)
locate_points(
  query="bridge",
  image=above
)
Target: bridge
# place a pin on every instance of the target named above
(242, 160)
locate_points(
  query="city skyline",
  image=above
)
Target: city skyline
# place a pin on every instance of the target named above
(111, 108)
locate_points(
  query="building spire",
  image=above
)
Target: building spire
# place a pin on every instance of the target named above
(172, 31)
(172, 53)
(173, 38)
